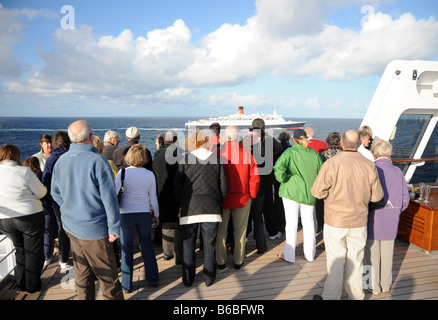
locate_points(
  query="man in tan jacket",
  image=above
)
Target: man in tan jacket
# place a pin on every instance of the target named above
(347, 182)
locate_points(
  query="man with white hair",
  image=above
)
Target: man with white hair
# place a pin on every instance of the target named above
(111, 141)
(165, 166)
(315, 144)
(243, 185)
(83, 186)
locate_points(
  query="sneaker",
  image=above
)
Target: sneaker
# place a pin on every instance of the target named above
(64, 266)
(278, 235)
(47, 261)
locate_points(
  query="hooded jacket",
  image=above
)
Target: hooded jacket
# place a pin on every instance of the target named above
(296, 170)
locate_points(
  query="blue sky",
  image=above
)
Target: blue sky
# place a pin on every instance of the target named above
(198, 58)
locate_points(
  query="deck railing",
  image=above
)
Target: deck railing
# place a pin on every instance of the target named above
(7, 259)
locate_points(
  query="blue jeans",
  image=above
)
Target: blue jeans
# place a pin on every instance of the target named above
(142, 221)
(208, 233)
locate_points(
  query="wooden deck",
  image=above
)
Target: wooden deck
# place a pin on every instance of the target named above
(262, 277)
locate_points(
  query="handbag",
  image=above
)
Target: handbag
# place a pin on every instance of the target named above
(119, 195)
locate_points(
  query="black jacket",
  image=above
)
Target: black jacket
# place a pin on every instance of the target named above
(165, 174)
(120, 153)
(200, 186)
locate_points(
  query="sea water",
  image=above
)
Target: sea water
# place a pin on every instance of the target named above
(25, 132)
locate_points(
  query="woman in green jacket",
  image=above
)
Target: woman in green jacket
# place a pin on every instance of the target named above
(296, 170)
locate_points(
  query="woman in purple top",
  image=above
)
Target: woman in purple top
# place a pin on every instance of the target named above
(383, 222)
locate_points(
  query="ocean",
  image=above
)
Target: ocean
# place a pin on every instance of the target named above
(25, 132)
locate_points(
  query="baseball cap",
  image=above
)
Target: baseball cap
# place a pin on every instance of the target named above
(132, 132)
(299, 133)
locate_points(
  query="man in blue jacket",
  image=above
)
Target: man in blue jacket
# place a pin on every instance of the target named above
(83, 186)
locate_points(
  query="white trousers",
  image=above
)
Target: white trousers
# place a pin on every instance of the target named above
(345, 252)
(291, 211)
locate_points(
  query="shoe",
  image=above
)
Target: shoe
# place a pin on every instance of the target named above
(47, 261)
(221, 266)
(238, 266)
(261, 251)
(168, 258)
(278, 235)
(64, 266)
(317, 297)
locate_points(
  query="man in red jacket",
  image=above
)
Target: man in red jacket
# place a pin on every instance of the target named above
(317, 145)
(243, 185)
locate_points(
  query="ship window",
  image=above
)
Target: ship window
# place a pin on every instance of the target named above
(429, 171)
(405, 140)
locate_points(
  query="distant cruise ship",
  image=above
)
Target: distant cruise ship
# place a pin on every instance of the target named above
(244, 121)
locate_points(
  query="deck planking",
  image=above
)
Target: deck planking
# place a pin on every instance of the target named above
(262, 277)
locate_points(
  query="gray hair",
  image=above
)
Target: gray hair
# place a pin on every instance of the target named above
(79, 131)
(381, 148)
(110, 134)
(170, 136)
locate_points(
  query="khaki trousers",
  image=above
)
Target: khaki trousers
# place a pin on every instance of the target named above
(345, 252)
(95, 257)
(240, 223)
(379, 256)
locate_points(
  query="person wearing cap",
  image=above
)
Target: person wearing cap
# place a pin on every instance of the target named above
(269, 151)
(133, 137)
(296, 170)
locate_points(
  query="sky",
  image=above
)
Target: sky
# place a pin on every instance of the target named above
(197, 58)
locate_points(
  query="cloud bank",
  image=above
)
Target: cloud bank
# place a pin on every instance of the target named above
(284, 37)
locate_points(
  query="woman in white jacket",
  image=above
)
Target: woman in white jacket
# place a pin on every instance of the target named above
(22, 217)
(138, 210)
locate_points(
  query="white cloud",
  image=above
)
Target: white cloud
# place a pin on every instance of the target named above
(286, 37)
(346, 53)
(11, 26)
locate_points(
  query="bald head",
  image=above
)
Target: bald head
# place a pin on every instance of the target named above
(80, 132)
(350, 140)
(231, 134)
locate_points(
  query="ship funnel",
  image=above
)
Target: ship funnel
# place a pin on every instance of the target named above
(240, 110)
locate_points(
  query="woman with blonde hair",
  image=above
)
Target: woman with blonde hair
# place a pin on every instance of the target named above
(200, 188)
(383, 222)
(138, 210)
(296, 170)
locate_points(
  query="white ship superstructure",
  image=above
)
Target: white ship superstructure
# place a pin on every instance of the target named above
(244, 121)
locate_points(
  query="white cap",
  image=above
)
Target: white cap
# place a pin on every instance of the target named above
(132, 132)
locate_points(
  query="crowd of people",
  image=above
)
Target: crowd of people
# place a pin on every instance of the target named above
(92, 195)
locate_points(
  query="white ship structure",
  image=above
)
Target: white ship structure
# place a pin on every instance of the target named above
(244, 121)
